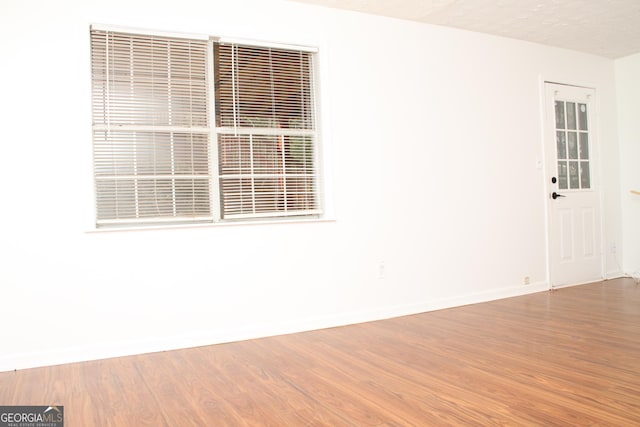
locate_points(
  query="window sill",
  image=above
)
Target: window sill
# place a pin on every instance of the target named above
(228, 223)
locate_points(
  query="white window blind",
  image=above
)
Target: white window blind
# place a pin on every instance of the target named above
(153, 97)
(266, 131)
(150, 128)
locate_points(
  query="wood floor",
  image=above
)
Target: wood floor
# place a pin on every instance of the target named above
(569, 357)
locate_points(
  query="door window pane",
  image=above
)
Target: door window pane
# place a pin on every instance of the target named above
(562, 176)
(574, 181)
(559, 115)
(582, 117)
(584, 145)
(571, 115)
(585, 175)
(573, 145)
(561, 142)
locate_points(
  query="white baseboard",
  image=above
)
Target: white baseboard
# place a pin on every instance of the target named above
(615, 274)
(608, 276)
(107, 350)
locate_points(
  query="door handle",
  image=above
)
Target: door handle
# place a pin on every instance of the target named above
(555, 195)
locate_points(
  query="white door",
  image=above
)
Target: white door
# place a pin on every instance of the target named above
(574, 198)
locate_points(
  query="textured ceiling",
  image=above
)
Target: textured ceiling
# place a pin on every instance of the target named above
(609, 28)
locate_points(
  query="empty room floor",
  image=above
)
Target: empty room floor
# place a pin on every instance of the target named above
(569, 357)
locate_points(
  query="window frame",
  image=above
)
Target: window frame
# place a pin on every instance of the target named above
(214, 131)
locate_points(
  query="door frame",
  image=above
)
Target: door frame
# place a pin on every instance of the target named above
(547, 174)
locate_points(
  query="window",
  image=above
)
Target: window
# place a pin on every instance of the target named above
(572, 142)
(201, 130)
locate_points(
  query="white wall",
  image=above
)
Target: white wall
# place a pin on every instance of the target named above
(628, 90)
(432, 134)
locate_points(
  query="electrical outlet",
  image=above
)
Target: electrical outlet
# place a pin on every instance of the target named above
(526, 280)
(614, 248)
